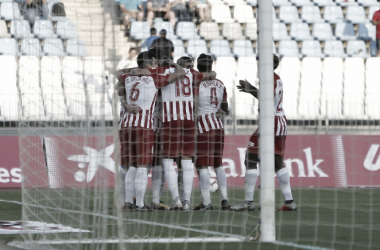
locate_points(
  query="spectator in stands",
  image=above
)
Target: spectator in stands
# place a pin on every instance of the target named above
(129, 62)
(376, 22)
(131, 9)
(148, 42)
(202, 7)
(159, 8)
(164, 44)
(180, 10)
(32, 9)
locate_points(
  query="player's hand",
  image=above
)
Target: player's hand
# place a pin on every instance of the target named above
(140, 72)
(133, 108)
(246, 87)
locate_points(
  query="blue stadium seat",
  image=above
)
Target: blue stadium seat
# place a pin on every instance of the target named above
(168, 27)
(75, 47)
(333, 14)
(44, 29)
(220, 48)
(355, 14)
(289, 14)
(20, 29)
(288, 49)
(31, 47)
(140, 30)
(8, 46)
(367, 31)
(334, 49)
(300, 31)
(322, 31)
(300, 3)
(311, 14)
(53, 47)
(66, 29)
(373, 48)
(196, 47)
(10, 11)
(345, 31)
(357, 49)
(311, 49)
(280, 32)
(187, 31)
(243, 48)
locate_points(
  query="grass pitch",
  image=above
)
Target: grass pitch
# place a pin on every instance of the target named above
(325, 219)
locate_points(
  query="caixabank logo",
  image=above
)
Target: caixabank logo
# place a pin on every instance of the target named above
(372, 159)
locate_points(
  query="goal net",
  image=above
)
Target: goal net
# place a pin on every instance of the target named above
(69, 111)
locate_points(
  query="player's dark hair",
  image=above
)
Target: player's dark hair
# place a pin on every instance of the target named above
(276, 61)
(204, 63)
(159, 55)
(142, 59)
(185, 59)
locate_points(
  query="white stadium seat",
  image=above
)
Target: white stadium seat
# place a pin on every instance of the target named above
(345, 31)
(280, 32)
(322, 3)
(8, 46)
(4, 30)
(10, 11)
(8, 89)
(311, 48)
(311, 14)
(280, 3)
(187, 30)
(251, 31)
(245, 106)
(289, 14)
(355, 14)
(75, 47)
(196, 47)
(372, 10)
(300, 31)
(232, 31)
(252, 2)
(357, 49)
(334, 49)
(243, 48)
(372, 75)
(345, 3)
(53, 47)
(247, 68)
(300, 3)
(220, 48)
(66, 29)
(331, 105)
(333, 14)
(234, 2)
(209, 31)
(31, 47)
(322, 31)
(332, 73)
(288, 48)
(290, 73)
(21, 29)
(226, 65)
(367, 3)
(244, 14)
(221, 14)
(139, 30)
(44, 29)
(372, 106)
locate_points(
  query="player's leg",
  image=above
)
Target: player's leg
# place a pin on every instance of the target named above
(251, 174)
(180, 177)
(158, 181)
(221, 177)
(204, 185)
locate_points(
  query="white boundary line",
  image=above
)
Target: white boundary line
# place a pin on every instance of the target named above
(225, 237)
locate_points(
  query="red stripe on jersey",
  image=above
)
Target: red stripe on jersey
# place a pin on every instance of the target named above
(171, 107)
(164, 118)
(184, 106)
(202, 125)
(178, 112)
(191, 110)
(215, 121)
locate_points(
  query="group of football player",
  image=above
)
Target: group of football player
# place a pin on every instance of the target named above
(171, 113)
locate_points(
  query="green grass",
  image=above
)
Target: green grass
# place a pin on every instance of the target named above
(326, 218)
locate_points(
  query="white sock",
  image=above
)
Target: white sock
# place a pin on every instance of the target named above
(284, 182)
(171, 177)
(130, 184)
(162, 181)
(122, 174)
(221, 178)
(204, 183)
(156, 183)
(141, 182)
(188, 178)
(250, 183)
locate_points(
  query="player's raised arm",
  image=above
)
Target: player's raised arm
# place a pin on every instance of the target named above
(178, 74)
(246, 87)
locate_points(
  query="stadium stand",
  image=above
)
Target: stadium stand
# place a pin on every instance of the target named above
(280, 32)
(20, 29)
(209, 31)
(333, 14)
(300, 31)
(322, 31)
(10, 11)
(31, 47)
(311, 14)
(220, 48)
(311, 48)
(243, 48)
(288, 14)
(334, 49)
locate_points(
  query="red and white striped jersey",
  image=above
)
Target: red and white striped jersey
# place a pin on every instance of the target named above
(280, 122)
(141, 91)
(211, 95)
(122, 114)
(177, 97)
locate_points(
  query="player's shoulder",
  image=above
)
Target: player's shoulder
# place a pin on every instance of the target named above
(275, 76)
(123, 76)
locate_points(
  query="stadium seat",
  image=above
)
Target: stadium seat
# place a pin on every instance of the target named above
(300, 31)
(289, 71)
(274, 16)
(226, 65)
(251, 31)
(311, 75)
(372, 75)
(209, 31)
(334, 49)
(8, 46)
(357, 49)
(331, 105)
(31, 47)
(243, 48)
(234, 2)
(288, 49)
(10, 11)
(372, 107)
(179, 49)
(196, 47)
(8, 89)
(139, 30)
(279, 3)
(290, 104)
(221, 14)
(322, 32)
(368, 3)
(311, 14)
(332, 75)
(247, 68)
(356, 14)
(168, 27)
(232, 31)
(280, 32)
(353, 92)
(345, 3)
(187, 30)
(345, 31)
(353, 105)
(75, 47)
(66, 29)
(309, 105)
(53, 47)
(43, 29)
(333, 14)
(252, 2)
(311, 48)
(20, 29)
(289, 14)
(367, 31)
(323, 3)
(372, 11)
(220, 48)
(4, 30)
(300, 3)
(244, 14)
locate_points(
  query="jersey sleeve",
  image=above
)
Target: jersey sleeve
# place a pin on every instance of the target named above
(160, 79)
(197, 77)
(122, 78)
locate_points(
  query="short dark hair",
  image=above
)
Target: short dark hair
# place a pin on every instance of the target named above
(204, 63)
(185, 59)
(276, 61)
(153, 31)
(141, 59)
(159, 55)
